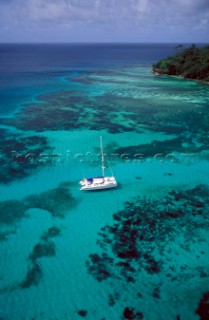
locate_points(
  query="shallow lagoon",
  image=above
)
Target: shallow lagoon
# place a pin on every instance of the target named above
(135, 252)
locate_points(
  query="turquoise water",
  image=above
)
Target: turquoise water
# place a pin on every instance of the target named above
(136, 252)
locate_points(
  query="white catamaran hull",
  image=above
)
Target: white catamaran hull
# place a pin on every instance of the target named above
(99, 183)
(93, 184)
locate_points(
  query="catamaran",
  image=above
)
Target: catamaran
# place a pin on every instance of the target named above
(99, 183)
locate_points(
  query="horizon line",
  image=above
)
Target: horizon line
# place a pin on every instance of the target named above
(101, 42)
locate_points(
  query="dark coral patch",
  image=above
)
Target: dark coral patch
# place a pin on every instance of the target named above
(141, 231)
(129, 313)
(65, 111)
(54, 111)
(11, 211)
(33, 276)
(163, 150)
(44, 249)
(121, 110)
(4, 235)
(19, 155)
(203, 308)
(51, 233)
(156, 293)
(152, 266)
(57, 201)
(111, 300)
(100, 266)
(82, 313)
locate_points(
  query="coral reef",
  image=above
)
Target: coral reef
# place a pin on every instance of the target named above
(11, 211)
(102, 263)
(19, 154)
(68, 110)
(56, 201)
(33, 276)
(51, 233)
(45, 248)
(141, 239)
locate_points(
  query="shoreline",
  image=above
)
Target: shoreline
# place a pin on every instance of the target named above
(155, 73)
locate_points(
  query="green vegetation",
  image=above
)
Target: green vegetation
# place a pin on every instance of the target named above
(190, 63)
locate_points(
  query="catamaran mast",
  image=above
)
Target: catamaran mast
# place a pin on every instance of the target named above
(102, 156)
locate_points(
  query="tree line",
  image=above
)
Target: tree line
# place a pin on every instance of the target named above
(191, 62)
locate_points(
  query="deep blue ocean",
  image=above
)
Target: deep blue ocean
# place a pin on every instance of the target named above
(27, 70)
(139, 251)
